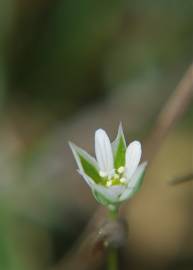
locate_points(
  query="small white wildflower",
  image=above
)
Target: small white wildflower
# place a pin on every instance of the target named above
(115, 175)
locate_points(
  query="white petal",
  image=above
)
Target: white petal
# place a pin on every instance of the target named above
(133, 156)
(77, 150)
(116, 191)
(128, 193)
(103, 151)
(111, 193)
(134, 182)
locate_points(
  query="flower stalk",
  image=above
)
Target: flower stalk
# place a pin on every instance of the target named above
(112, 259)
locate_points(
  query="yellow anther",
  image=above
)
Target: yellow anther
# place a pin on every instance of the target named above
(123, 180)
(116, 176)
(121, 169)
(109, 183)
(109, 177)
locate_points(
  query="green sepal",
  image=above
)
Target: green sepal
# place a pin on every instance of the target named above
(139, 182)
(90, 169)
(119, 158)
(86, 163)
(102, 199)
(119, 149)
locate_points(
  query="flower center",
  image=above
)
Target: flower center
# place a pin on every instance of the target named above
(116, 178)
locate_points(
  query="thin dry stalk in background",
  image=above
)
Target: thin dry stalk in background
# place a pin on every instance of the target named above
(182, 179)
(174, 108)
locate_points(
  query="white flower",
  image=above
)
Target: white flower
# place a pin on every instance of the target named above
(115, 175)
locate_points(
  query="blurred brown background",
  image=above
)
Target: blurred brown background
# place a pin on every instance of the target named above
(67, 68)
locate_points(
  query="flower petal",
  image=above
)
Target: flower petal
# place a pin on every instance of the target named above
(110, 193)
(127, 194)
(103, 151)
(97, 188)
(133, 156)
(137, 178)
(85, 162)
(135, 182)
(98, 191)
(119, 148)
(116, 191)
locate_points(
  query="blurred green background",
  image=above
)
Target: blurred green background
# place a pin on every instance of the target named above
(67, 68)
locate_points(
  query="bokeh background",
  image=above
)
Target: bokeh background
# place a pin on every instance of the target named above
(67, 68)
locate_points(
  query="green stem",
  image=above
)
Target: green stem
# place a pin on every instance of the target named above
(113, 212)
(113, 215)
(112, 260)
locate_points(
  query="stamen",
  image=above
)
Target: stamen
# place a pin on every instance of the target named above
(123, 180)
(109, 177)
(116, 176)
(121, 169)
(109, 183)
(102, 174)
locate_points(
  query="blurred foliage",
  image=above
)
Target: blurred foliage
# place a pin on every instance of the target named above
(56, 58)
(68, 53)
(6, 16)
(10, 257)
(59, 60)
